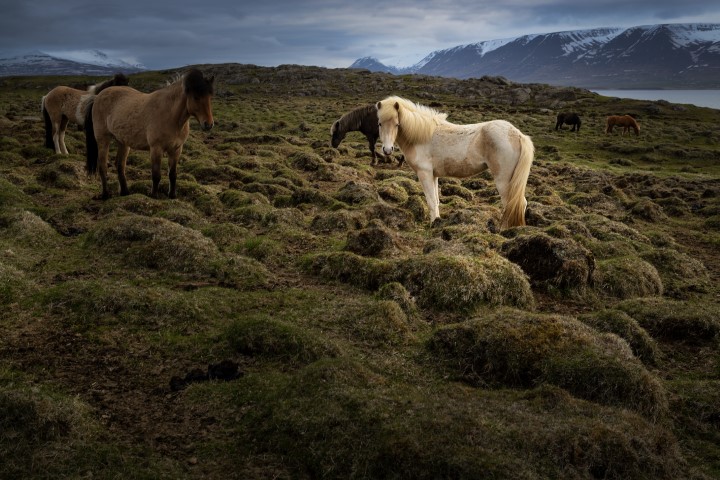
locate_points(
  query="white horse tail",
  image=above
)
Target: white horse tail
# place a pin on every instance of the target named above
(514, 213)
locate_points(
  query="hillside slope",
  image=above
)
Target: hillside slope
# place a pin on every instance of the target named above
(346, 336)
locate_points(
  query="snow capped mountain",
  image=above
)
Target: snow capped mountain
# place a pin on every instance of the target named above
(91, 62)
(649, 56)
(94, 57)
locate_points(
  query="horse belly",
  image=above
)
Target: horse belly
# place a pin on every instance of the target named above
(454, 158)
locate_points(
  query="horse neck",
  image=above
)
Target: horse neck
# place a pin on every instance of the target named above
(351, 122)
(174, 102)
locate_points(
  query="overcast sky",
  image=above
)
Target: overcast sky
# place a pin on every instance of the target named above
(329, 33)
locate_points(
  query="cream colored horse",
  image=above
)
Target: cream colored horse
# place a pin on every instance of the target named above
(157, 121)
(435, 148)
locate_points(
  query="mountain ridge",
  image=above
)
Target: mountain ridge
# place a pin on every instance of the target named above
(85, 62)
(648, 56)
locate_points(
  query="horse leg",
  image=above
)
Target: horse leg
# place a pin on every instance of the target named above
(103, 152)
(61, 134)
(173, 158)
(155, 159)
(373, 154)
(120, 163)
(56, 133)
(429, 185)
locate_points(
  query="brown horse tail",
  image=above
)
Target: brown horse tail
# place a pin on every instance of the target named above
(514, 214)
(91, 145)
(49, 143)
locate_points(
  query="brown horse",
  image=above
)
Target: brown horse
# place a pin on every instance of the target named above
(364, 120)
(157, 121)
(63, 105)
(625, 121)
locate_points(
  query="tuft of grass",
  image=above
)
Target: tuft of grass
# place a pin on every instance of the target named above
(549, 261)
(627, 277)
(682, 275)
(669, 319)
(519, 349)
(266, 337)
(440, 282)
(627, 328)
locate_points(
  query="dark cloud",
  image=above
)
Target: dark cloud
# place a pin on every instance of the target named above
(321, 32)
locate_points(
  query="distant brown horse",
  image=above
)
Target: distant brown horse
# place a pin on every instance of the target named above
(568, 119)
(157, 121)
(625, 121)
(63, 105)
(364, 120)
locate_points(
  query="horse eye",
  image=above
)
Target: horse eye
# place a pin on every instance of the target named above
(379, 124)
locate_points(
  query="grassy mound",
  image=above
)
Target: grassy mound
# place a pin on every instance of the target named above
(549, 261)
(517, 349)
(336, 418)
(47, 435)
(675, 320)
(13, 284)
(440, 282)
(278, 340)
(625, 327)
(160, 244)
(682, 275)
(627, 277)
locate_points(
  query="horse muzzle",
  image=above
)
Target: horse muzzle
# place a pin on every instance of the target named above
(205, 126)
(387, 150)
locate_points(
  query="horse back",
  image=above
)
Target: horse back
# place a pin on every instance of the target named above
(119, 112)
(63, 100)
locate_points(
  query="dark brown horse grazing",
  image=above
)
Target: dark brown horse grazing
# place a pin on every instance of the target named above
(625, 121)
(63, 105)
(157, 121)
(568, 119)
(364, 120)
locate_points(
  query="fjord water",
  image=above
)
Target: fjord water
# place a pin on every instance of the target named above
(701, 98)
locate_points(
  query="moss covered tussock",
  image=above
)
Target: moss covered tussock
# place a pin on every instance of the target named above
(442, 282)
(517, 349)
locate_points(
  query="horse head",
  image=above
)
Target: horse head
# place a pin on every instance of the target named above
(199, 92)
(388, 125)
(337, 134)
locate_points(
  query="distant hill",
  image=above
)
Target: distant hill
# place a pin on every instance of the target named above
(92, 62)
(651, 56)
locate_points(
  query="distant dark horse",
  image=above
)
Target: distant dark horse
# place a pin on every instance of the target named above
(364, 120)
(568, 119)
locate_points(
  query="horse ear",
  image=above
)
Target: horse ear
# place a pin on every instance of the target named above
(397, 106)
(378, 105)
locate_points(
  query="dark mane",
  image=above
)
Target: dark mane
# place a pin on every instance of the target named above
(118, 80)
(195, 83)
(351, 121)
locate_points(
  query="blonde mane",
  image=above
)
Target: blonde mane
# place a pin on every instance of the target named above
(417, 122)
